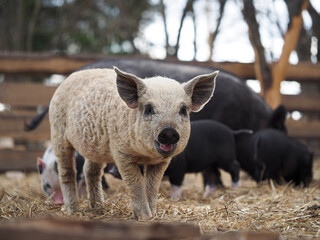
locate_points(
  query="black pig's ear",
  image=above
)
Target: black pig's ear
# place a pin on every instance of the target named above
(130, 87)
(201, 89)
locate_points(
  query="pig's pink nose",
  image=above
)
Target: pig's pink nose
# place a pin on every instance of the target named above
(58, 197)
(168, 135)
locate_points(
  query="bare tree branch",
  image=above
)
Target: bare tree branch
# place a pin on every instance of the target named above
(164, 18)
(304, 46)
(294, 9)
(32, 24)
(195, 33)
(188, 8)
(213, 35)
(263, 69)
(20, 20)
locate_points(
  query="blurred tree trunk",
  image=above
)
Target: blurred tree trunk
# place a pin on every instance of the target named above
(32, 23)
(20, 20)
(213, 35)
(262, 68)
(164, 17)
(304, 45)
(195, 34)
(315, 16)
(270, 79)
(188, 8)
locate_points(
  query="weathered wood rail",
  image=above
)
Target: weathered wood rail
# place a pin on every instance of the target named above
(66, 229)
(22, 100)
(64, 64)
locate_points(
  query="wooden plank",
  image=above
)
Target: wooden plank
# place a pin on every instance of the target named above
(27, 94)
(233, 235)
(67, 229)
(65, 64)
(19, 160)
(304, 71)
(303, 129)
(13, 126)
(42, 62)
(301, 103)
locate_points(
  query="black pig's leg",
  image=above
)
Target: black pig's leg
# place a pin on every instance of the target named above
(234, 170)
(211, 181)
(176, 180)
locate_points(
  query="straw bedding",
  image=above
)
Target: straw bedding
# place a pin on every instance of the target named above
(284, 209)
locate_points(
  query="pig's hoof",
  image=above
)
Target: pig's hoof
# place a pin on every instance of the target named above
(72, 208)
(145, 217)
(236, 184)
(209, 191)
(94, 205)
(175, 193)
(176, 199)
(142, 215)
(153, 212)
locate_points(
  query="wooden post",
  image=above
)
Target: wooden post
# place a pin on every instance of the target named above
(272, 95)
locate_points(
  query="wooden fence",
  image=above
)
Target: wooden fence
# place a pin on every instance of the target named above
(22, 100)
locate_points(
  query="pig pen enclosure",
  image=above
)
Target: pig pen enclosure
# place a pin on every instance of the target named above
(270, 210)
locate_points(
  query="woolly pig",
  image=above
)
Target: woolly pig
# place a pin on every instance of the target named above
(112, 116)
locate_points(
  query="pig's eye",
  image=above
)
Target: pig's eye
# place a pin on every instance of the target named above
(148, 110)
(183, 111)
(46, 187)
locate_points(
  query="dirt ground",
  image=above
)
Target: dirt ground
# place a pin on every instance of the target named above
(284, 209)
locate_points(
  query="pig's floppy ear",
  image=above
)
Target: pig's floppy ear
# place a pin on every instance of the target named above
(201, 89)
(130, 87)
(40, 165)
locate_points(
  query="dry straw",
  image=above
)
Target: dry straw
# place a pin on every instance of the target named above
(287, 210)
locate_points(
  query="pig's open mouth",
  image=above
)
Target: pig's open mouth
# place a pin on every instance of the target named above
(165, 149)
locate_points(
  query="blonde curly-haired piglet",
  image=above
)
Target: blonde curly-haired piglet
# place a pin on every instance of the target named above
(108, 115)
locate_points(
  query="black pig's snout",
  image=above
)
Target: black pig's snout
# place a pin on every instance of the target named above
(168, 135)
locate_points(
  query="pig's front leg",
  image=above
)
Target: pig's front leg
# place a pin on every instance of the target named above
(131, 174)
(93, 174)
(154, 174)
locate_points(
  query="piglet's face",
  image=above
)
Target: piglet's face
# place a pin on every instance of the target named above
(161, 110)
(50, 180)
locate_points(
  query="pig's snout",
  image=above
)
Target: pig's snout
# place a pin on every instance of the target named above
(167, 141)
(168, 135)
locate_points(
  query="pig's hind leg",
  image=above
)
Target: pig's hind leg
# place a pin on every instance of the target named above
(233, 168)
(176, 179)
(93, 174)
(211, 181)
(67, 174)
(234, 172)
